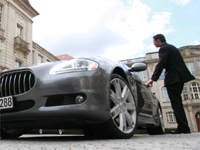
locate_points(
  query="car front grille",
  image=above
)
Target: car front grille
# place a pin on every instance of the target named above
(15, 83)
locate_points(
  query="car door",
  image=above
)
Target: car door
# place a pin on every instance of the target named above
(145, 99)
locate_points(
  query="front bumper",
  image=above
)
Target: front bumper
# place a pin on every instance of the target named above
(52, 100)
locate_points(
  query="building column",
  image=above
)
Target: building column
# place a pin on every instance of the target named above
(35, 57)
(192, 119)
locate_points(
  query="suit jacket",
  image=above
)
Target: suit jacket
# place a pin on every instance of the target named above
(171, 60)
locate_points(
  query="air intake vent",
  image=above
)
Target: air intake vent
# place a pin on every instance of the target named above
(16, 83)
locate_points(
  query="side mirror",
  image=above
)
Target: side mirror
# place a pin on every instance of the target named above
(138, 67)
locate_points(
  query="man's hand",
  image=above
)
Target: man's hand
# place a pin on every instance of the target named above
(149, 83)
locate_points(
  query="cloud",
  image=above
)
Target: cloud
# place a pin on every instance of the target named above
(72, 15)
(137, 23)
(112, 28)
(93, 43)
(150, 47)
(181, 2)
(197, 42)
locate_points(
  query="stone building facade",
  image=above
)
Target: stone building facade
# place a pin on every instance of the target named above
(16, 46)
(191, 91)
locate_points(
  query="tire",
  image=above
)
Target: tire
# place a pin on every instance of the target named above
(123, 114)
(159, 129)
(11, 133)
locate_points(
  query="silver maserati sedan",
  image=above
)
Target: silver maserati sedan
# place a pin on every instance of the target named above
(103, 98)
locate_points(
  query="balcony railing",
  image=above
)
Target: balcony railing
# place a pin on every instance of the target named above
(2, 34)
(21, 45)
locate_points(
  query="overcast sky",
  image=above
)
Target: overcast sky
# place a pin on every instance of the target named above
(115, 29)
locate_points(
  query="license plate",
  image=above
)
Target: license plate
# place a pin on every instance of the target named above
(6, 102)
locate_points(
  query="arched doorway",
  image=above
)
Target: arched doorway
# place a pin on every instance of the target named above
(197, 116)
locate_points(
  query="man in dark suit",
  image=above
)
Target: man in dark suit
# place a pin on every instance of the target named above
(176, 74)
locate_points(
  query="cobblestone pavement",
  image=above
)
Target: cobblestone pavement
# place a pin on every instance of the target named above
(137, 142)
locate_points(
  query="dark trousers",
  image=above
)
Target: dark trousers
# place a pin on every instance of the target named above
(174, 92)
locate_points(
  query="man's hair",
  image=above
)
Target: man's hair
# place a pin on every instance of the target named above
(160, 37)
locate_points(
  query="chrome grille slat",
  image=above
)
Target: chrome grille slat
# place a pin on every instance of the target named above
(10, 80)
(19, 87)
(5, 85)
(1, 86)
(30, 76)
(24, 83)
(15, 83)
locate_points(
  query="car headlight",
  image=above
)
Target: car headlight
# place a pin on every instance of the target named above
(74, 65)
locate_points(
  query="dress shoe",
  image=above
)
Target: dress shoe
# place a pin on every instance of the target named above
(179, 131)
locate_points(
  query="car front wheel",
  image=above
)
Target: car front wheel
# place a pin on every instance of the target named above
(123, 113)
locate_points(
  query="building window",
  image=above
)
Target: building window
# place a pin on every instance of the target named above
(1, 15)
(199, 64)
(190, 66)
(17, 64)
(170, 117)
(195, 90)
(39, 59)
(142, 75)
(19, 30)
(197, 115)
(185, 95)
(162, 76)
(165, 97)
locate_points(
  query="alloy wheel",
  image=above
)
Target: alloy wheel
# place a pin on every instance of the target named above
(123, 108)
